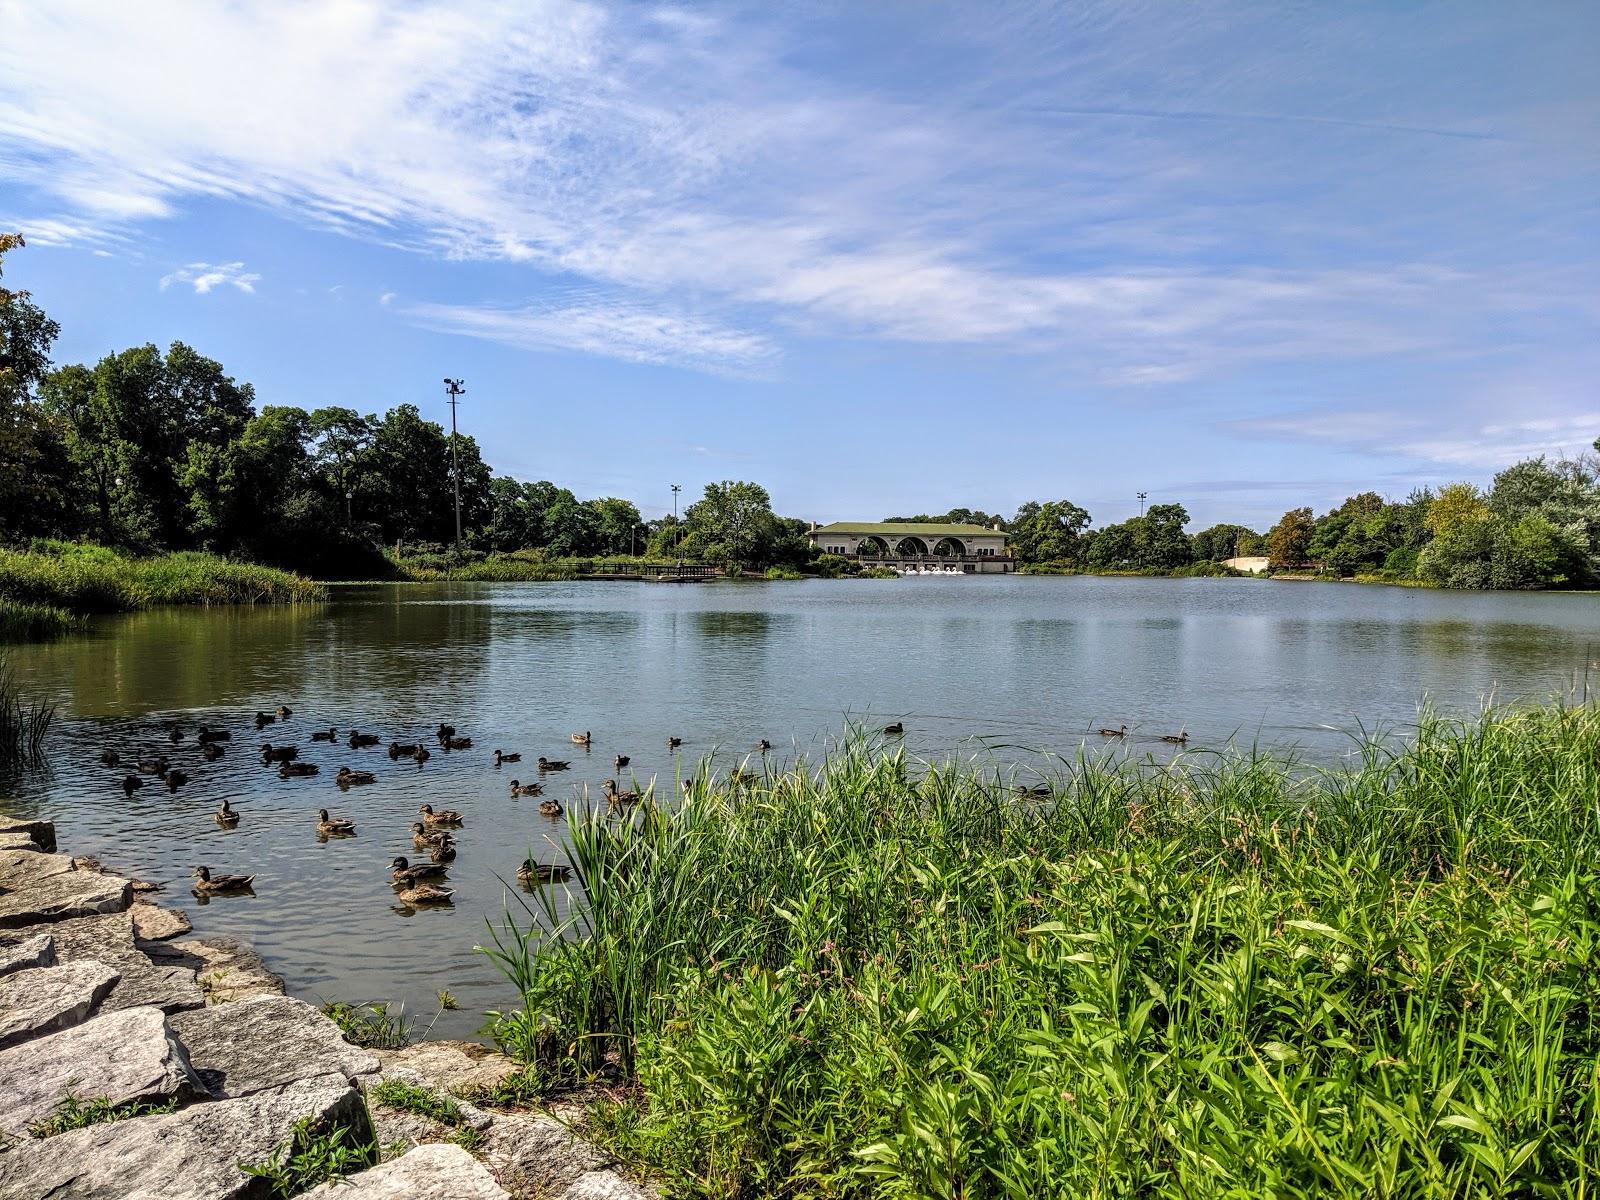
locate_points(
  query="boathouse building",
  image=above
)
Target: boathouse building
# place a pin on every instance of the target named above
(915, 548)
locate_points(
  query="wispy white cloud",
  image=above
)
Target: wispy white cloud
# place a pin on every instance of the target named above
(203, 277)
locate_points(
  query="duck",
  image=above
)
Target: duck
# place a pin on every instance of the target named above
(206, 882)
(553, 764)
(264, 719)
(615, 796)
(518, 788)
(551, 807)
(620, 761)
(894, 730)
(175, 735)
(271, 753)
(213, 735)
(110, 758)
(445, 816)
(348, 778)
(131, 783)
(1122, 732)
(445, 851)
(210, 751)
(582, 739)
(327, 824)
(174, 779)
(401, 871)
(457, 743)
(325, 735)
(1038, 789)
(225, 816)
(298, 770)
(531, 872)
(152, 766)
(422, 755)
(674, 742)
(501, 756)
(688, 786)
(424, 893)
(399, 750)
(422, 839)
(360, 740)
(763, 745)
(1176, 739)
(446, 731)
(284, 712)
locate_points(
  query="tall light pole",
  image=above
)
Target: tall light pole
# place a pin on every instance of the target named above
(1142, 496)
(676, 488)
(455, 391)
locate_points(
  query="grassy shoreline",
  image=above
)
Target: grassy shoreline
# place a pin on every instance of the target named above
(48, 590)
(1227, 976)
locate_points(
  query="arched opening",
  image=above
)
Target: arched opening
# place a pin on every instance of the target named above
(911, 547)
(873, 547)
(949, 547)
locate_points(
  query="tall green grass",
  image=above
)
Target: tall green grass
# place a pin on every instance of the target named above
(1232, 975)
(43, 588)
(23, 726)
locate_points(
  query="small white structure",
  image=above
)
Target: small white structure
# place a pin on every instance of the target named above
(1253, 564)
(915, 548)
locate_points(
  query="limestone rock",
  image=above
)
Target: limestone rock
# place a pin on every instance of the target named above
(20, 954)
(266, 1042)
(460, 1068)
(120, 1056)
(435, 1172)
(57, 894)
(606, 1185)
(192, 1154)
(18, 841)
(228, 969)
(157, 923)
(537, 1154)
(108, 938)
(40, 1000)
(41, 833)
(19, 868)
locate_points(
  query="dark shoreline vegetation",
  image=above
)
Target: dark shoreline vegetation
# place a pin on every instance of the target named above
(1230, 975)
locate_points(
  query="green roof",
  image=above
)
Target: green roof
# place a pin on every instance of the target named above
(908, 529)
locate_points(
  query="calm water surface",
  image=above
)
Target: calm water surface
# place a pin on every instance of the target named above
(1002, 668)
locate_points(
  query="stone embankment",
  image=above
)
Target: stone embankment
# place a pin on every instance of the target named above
(103, 998)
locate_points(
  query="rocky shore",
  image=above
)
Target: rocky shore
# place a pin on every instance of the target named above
(200, 1065)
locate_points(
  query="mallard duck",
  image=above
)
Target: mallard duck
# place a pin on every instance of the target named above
(674, 742)
(1176, 739)
(205, 881)
(359, 741)
(1122, 732)
(407, 873)
(213, 735)
(422, 839)
(615, 796)
(131, 783)
(894, 730)
(211, 752)
(348, 778)
(284, 712)
(152, 766)
(175, 779)
(446, 731)
(225, 816)
(327, 824)
(525, 789)
(458, 743)
(175, 735)
(399, 750)
(325, 735)
(620, 761)
(763, 745)
(1038, 789)
(688, 786)
(445, 816)
(531, 872)
(551, 807)
(422, 755)
(298, 770)
(271, 753)
(110, 757)
(424, 893)
(582, 739)
(264, 719)
(553, 764)
(445, 851)
(501, 757)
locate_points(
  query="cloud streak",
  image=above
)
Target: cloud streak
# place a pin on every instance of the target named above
(206, 277)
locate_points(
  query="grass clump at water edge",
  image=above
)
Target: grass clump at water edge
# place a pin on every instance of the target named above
(1226, 976)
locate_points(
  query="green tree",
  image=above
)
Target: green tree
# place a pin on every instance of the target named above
(1289, 541)
(35, 469)
(1049, 532)
(733, 523)
(617, 528)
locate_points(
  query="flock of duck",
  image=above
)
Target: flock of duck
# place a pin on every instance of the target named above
(415, 883)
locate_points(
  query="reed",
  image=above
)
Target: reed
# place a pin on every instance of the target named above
(1230, 975)
(23, 726)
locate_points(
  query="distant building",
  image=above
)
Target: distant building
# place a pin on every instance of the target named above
(1254, 564)
(917, 548)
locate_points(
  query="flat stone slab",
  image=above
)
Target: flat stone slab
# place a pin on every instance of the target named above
(40, 1000)
(21, 867)
(228, 969)
(460, 1068)
(265, 1042)
(120, 1056)
(157, 923)
(438, 1171)
(18, 841)
(19, 955)
(41, 833)
(59, 894)
(606, 1185)
(192, 1154)
(108, 938)
(537, 1154)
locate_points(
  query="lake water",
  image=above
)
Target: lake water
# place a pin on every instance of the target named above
(1004, 668)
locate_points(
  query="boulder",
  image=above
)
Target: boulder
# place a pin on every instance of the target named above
(108, 938)
(606, 1185)
(536, 1154)
(265, 1042)
(59, 894)
(18, 841)
(120, 1056)
(192, 1154)
(40, 1000)
(21, 867)
(435, 1172)
(41, 833)
(19, 955)
(460, 1068)
(157, 923)
(228, 969)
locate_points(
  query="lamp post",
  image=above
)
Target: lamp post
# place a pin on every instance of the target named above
(1142, 496)
(676, 547)
(454, 390)
(349, 497)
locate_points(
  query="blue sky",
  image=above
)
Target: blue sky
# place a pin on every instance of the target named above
(882, 258)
